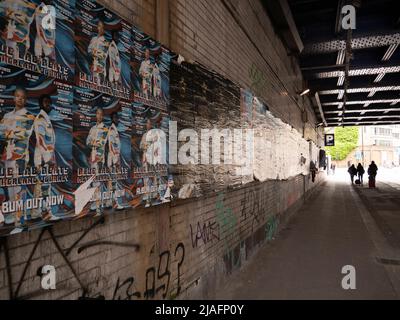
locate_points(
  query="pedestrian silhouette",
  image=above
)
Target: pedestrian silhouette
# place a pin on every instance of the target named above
(372, 172)
(353, 172)
(360, 173)
(313, 170)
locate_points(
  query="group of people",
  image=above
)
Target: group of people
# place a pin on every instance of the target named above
(19, 126)
(105, 52)
(151, 77)
(15, 28)
(106, 151)
(16, 129)
(360, 171)
(19, 16)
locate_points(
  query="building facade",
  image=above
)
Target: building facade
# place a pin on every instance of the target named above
(376, 143)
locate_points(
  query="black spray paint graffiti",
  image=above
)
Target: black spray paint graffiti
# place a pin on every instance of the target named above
(126, 290)
(225, 224)
(15, 295)
(161, 275)
(254, 206)
(123, 289)
(204, 233)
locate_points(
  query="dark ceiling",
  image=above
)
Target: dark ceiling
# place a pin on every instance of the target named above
(369, 92)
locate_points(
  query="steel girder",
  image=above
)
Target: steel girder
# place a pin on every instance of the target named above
(370, 41)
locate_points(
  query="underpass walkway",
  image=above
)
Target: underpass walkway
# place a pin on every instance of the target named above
(341, 225)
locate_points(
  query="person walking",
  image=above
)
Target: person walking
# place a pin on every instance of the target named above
(313, 170)
(333, 168)
(372, 172)
(353, 172)
(360, 173)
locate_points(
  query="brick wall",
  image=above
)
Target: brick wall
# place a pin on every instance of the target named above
(185, 251)
(188, 248)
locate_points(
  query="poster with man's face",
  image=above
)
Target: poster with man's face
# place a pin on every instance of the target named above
(102, 48)
(101, 151)
(35, 150)
(151, 184)
(38, 35)
(150, 70)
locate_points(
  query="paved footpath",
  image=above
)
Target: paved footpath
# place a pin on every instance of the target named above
(340, 225)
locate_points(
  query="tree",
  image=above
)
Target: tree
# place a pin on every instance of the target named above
(346, 140)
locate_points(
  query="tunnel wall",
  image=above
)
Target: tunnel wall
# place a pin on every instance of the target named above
(188, 248)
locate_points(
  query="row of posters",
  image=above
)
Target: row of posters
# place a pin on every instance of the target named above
(80, 89)
(68, 152)
(83, 43)
(56, 137)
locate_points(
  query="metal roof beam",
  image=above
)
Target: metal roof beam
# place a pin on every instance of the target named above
(321, 111)
(367, 117)
(369, 102)
(389, 52)
(360, 110)
(390, 80)
(370, 41)
(362, 123)
(364, 98)
(356, 72)
(360, 90)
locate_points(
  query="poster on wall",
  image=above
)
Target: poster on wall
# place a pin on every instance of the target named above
(36, 150)
(150, 62)
(38, 35)
(151, 183)
(251, 109)
(182, 88)
(227, 104)
(150, 70)
(101, 152)
(102, 48)
(183, 112)
(203, 99)
(209, 108)
(246, 107)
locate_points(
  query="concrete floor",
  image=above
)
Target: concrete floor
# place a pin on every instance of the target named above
(339, 226)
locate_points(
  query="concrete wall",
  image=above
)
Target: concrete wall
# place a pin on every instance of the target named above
(188, 248)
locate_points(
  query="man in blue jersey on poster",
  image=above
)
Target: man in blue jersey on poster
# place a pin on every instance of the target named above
(19, 15)
(145, 72)
(45, 40)
(114, 70)
(156, 81)
(15, 130)
(97, 140)
(98, 49)
(114, 160)
(44, 156)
